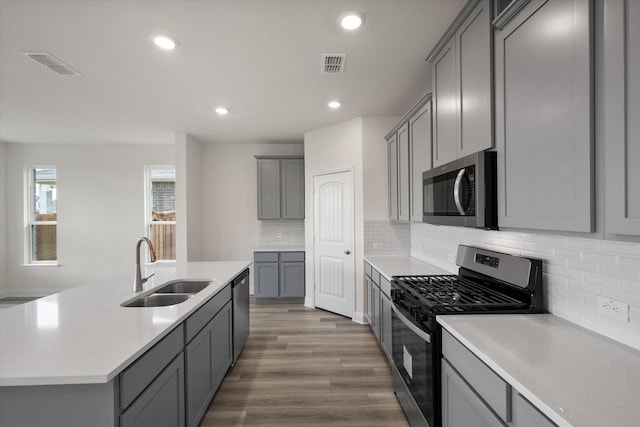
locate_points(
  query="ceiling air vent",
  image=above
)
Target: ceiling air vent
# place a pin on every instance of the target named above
(52, 63)
(333, 63)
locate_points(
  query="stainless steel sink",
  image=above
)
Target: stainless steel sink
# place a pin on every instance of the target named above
(170, 293)
(182, 287)
(157, 300)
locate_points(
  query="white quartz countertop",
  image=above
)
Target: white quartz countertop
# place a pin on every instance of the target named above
(83, 335)
(399, 265)
(279, 249)
(574, 376)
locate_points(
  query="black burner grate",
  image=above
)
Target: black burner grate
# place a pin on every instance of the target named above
(452, 293)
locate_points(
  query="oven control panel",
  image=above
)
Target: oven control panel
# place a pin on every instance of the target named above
(489, 261)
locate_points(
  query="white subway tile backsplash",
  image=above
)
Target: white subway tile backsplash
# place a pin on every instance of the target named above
(568, 253)
(387, 238)
(631, 288)
(628, 262)
(603, 282)
(281, 233)
(601, 258)
(575, 271)
(619, 273)
(620, 248)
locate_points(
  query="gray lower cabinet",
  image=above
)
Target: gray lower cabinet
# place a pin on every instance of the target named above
(461, 406)
(620, 67)
(474, 395)
(385, 327)
(207, 358)
(280, 187)
(544, 112)
(267, 282)
(279, 274)
(369, 291)
(375, 298)
(379, 307)
(161, 404)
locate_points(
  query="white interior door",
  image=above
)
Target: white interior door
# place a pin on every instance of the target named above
(334, 242)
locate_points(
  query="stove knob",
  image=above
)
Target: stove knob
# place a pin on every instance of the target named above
(396, 295)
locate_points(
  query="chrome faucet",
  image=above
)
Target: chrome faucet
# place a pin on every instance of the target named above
(139, 280)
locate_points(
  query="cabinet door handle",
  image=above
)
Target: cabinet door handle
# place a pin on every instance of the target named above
(347, 252)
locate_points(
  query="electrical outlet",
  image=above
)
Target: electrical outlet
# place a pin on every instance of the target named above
(616, 309)
(451, 258)
(378, 245)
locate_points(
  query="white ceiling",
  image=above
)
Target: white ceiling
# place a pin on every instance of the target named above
(260, 58)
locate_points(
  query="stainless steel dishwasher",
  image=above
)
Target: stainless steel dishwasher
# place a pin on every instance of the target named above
(240, 313)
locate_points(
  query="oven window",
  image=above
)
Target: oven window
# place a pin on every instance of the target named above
(413, 357)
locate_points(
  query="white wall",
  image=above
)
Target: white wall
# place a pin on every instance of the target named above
(231, 229)
(356, 144)
(189, 234)
(100, 211)
(3, 222)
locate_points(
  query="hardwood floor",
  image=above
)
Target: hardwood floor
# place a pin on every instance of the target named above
(306, 367)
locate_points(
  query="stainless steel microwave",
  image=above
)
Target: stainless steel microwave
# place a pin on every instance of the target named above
(462, 192)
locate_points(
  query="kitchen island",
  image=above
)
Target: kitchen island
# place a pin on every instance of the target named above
(62, 357)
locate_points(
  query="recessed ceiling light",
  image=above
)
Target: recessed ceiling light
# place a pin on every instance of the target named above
(164, 42)
(334, 104)
(222, 111)
(351, 20)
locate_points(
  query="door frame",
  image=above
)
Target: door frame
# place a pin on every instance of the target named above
(312, 266)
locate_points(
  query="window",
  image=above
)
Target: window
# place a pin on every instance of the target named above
(161, 210)
(43, 216)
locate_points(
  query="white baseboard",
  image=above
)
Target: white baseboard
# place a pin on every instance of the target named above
(308, 302)
(360, 318)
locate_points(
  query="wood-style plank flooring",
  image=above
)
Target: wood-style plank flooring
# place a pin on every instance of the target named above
(306, 367)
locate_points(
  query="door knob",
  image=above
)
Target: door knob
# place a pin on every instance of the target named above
(347, 252)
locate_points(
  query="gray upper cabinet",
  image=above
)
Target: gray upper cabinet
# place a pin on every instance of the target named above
(620, 124)
(420, 154)
(473, 41)
(392, 145)
(292, 191)
(445, 105)
(280, 187)
(403, 173)
(409, 149)
(544, 116)
(461, 69)
(268, 189)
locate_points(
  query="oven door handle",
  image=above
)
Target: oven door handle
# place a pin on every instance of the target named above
(457, 192)
(419, 332)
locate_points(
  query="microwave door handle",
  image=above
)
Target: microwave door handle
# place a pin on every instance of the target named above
(456, 192)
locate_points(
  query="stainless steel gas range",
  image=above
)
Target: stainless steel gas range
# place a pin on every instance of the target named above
(487, 282)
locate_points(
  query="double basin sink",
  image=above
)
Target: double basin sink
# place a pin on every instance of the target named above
(170, 293)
